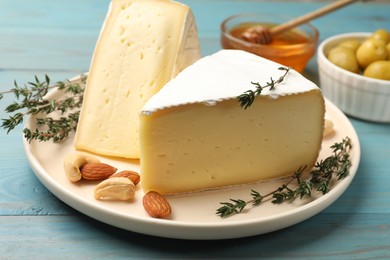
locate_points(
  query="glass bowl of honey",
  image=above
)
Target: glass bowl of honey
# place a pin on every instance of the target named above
(292, 48)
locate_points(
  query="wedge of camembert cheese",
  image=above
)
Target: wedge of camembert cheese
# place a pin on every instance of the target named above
(195, 136)
(142, 45)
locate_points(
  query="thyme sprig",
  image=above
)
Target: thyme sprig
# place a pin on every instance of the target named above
(246, 99)
(320, 179)
(32, 100)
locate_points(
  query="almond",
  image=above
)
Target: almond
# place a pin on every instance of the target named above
(133, 176)
(97, 171)
(156, 205)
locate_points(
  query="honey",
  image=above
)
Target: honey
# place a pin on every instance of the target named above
(292, 48)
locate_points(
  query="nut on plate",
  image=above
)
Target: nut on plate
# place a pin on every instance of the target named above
(73, 162)
(156, 205)
(328, 127)
(117, 188)
(133, 176)
(97, 171)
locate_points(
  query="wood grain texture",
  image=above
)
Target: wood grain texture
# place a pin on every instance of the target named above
(57, 38)
(316, 238)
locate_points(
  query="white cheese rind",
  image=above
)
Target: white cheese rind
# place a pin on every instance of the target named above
(205, 142)
(231, 74)
(143, 44)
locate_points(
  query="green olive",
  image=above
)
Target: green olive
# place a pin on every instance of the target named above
(381, 34)
(344, 57)
(350, 43)
(388, 50)
(379, 70)
(371, 50)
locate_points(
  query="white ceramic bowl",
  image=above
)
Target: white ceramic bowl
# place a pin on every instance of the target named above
(356, 95)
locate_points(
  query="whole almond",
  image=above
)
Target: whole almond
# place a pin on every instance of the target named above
(97, 171)
(156, 205)
(133, 176)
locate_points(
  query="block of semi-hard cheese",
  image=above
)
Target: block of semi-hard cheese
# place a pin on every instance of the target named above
(142, 45)
(195, 136)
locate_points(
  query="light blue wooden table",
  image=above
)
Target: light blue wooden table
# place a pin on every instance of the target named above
(57, 38)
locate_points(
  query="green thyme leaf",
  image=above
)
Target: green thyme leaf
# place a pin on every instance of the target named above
(55, 118)
(247, 98)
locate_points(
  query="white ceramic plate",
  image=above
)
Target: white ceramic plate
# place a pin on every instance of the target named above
(193, 214)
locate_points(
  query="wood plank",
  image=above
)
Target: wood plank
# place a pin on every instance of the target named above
(63, 237)
(7, 78)
(21, 192)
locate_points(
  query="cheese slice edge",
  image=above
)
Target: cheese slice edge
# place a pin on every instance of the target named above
(142, 45)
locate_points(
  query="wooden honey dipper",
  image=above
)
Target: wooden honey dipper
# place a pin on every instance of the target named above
(262, 35)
